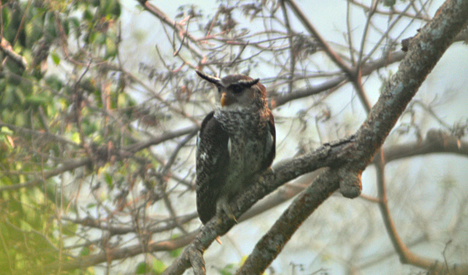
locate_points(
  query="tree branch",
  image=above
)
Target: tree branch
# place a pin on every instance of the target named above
(122, 253)
(327, 155)
(323, 44)
(103, 154)
(396, 152)
(6, 48)
(343, 153)
(67, 166)
(436, 142)
(366, 69)
(424, 52)
(182, 34)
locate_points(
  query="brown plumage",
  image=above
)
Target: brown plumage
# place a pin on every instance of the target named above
(236, 143)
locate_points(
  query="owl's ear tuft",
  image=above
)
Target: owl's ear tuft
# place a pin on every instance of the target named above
(209, 78)
(248, 83)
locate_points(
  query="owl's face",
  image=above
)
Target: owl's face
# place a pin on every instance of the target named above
(237, 92)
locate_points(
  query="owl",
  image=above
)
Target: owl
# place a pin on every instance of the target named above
(235, 145)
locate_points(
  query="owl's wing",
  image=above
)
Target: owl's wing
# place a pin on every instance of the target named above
(270, 144)
(212, 166)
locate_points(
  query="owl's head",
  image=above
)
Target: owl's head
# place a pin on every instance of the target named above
(238, 91)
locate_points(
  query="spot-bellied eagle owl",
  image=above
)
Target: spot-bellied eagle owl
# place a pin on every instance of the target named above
(235, 145)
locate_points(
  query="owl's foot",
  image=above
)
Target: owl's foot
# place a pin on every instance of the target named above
(222, 205)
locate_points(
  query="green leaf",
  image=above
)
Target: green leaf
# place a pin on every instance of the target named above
(55, 58)
(99, 38)
(37, 100)
(5, 18)
(141, 268)
(111, 48)
(74, 21)
(158, 267)
(227, 270)
(20, 119)
(6, 130)
(175, 253)
(54, 82)
(109, 179)
(76, 137)
(117, 10)
(87, 15)
(19, 95)
(70, 228)
(85, 251)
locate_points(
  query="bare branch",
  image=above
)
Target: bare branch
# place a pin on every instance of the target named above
(323, 44)
(370, 137)
(72, 165)
(123, 253)
(327, 155)
(6, 48)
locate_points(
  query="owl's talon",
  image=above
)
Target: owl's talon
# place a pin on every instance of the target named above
(231, 216)
(223, 206)
(227, 209)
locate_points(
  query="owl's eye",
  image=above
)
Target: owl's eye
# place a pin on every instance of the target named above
(237, 89)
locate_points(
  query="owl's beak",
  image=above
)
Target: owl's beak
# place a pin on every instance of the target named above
(226, 99)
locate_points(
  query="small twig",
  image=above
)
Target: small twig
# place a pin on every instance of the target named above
(445, 258)
(323, 44)
(6, 48)
(184, 35)
(292, 55)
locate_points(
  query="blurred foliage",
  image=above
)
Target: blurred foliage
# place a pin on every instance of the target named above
(48, 101)
(155, 268)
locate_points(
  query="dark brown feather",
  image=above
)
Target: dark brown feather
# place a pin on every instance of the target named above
(211, 169)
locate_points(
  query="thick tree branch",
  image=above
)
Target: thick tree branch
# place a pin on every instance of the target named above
(412, 72)
(436, 142)
(424, 52)
(273, 242)
(327, 155)
(444, 144)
